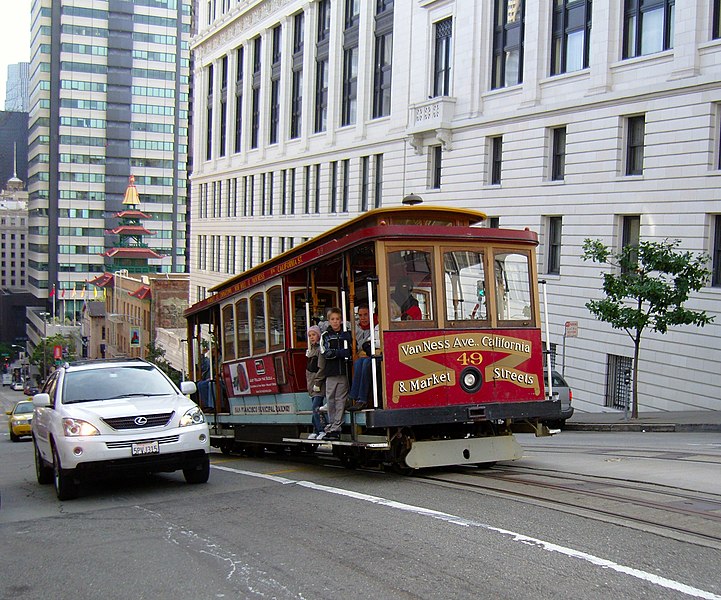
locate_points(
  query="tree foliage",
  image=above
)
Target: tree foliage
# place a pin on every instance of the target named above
(156, 355)
(647, 290)
(43, 357)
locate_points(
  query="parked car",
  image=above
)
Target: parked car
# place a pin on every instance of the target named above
(565, 395)
(101, 416)
(19, 419)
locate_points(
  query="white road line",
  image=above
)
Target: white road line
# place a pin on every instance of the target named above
(517, 537)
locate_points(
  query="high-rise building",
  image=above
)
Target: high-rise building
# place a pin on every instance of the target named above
(17, 94)
(109, 100)
(575, 118)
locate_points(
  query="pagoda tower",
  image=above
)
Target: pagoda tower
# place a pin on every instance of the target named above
(131, 252)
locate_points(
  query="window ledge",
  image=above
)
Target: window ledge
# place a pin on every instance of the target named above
(659, 57)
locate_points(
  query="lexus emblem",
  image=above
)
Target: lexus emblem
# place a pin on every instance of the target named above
(140, 421)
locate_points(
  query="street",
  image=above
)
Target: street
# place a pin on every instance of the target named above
(582, 515)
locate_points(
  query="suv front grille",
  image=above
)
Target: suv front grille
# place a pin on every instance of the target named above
(171, 439)
(159, 420)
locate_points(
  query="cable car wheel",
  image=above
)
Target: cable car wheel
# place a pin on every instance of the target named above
(401, 444)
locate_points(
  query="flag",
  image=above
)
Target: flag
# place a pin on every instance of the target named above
(105, 294)
(62, 293)
(95, 292)
(52, 292)
(73, 289)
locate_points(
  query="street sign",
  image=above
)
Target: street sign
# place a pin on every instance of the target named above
(571, 329)
(57, 352)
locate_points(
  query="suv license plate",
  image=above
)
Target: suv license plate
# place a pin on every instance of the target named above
(143, 448)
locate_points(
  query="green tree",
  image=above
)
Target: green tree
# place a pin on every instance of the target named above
(42, 355)
(646, 289)
(156, 355)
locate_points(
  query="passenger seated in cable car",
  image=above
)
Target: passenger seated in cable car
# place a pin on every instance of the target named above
(410, 311)
(362, 371)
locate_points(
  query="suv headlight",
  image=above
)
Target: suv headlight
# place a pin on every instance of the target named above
(78, 427)
(194, 416)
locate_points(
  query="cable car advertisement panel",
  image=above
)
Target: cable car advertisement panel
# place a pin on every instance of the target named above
(434, 368)
(251, 376)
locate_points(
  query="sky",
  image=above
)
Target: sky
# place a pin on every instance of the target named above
(14, 38)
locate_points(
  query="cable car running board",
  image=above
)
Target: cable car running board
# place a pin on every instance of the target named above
(360, 444)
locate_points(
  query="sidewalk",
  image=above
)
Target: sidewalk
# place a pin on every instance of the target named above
(696, 420)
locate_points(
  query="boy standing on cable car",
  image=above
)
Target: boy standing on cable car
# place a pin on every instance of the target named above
(334, 354)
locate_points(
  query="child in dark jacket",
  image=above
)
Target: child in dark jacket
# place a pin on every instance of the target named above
(334, 355)
(315, 379)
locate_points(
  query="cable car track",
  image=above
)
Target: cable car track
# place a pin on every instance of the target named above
(672, 512)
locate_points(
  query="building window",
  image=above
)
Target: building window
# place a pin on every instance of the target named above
(223, 105)
(507, 43)
(630, 233)
(496, 159)
(364, 184)
(378, 189)
(716, 19)
(558, 153)
(334, 186)
(255, 93)
(321, 66)
(618, 381)
(635, 132)
(346, 185)
(716, 253)
(383, 64)
(209, 116)
(554, 246)
(238, 99)
(271, 195)
(570, 37)
(306, 189)
(296, 101)
(435, 155)
(275, 85)
(648, 26)
(292, 192)
(442, 57)
(316, 189)
(349, 92)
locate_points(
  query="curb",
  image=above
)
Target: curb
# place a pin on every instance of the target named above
(644, 427)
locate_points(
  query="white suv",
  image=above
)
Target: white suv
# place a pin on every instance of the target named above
(99, 416)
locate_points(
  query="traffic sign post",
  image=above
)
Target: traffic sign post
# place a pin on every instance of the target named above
(570, 329)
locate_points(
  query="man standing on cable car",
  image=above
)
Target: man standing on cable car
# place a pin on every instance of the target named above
(334, 355)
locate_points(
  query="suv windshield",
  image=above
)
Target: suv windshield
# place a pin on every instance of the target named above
(114, 382)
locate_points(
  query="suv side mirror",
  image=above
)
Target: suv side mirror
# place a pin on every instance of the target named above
(188, 387)
(41, 400)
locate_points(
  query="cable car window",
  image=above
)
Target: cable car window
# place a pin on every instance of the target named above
(465, 286)
(513, 289)
(242, 329)
(228, 333)
(411, 285)
(257, 322)
(275, 318)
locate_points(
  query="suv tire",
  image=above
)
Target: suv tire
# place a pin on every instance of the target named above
(198, 473)
(65, 486)
(43, 472)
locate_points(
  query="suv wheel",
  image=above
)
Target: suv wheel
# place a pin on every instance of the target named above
(198, 473)
(65, 486)
(43, 472)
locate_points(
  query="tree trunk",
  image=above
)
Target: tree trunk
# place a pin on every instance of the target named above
(634, 393)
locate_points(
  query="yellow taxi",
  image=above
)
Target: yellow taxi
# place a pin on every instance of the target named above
(20, 419)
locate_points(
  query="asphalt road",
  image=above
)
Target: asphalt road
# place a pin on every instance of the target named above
(277, 528)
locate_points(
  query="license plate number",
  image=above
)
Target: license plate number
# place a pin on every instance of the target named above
(142, 448)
